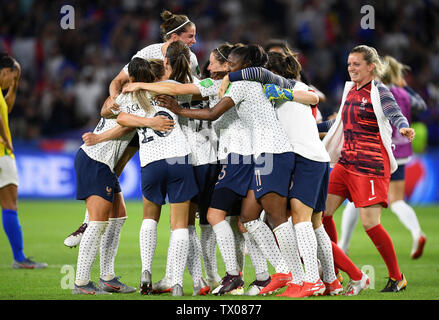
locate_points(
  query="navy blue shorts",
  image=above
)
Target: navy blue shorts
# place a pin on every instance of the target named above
(310, 183)
(399, 174)
(236, 174)
(94, 178)
(272, 173)
(173, 177)
(206, 176)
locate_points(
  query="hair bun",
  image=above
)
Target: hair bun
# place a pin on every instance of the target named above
(167, 15)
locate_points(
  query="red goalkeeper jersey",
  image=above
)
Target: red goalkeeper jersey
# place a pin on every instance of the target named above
(363, 151)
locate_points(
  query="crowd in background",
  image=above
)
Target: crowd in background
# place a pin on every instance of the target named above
(66, 73)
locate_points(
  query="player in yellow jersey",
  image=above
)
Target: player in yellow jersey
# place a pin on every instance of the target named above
(9, 77)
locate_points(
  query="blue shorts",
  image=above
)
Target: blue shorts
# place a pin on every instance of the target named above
(94, 178)
(173, 177)
(399, 174)
(272, 173)
(205, 176)
(310, 183)
(236, 174)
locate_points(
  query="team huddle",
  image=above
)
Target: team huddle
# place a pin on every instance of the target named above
(239, 146)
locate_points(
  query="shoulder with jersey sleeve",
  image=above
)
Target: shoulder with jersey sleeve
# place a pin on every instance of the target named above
(208, 87)
(240, 90)
(153, 51)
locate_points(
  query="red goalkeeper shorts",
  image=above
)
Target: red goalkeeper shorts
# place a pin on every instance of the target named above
(362, 190)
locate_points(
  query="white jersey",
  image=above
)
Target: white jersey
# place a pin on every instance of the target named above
(254, 109)
(199, 133)
(154, 51)
(234, 136)
(108, 152)
(155, 145)
(301, 127)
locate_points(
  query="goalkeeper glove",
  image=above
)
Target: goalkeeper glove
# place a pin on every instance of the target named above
(274, 92)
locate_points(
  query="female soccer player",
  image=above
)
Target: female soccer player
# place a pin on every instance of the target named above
(98, 185)
(174, 27)
(166, 170)
(408, 101)
(359, 144)
(10, 72)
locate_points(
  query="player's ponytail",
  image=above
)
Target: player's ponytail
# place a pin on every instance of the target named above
(179, 58)
(283, 65)
(141, 71)
(394, 71)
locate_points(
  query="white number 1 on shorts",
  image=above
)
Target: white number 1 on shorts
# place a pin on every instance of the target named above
(372, 187)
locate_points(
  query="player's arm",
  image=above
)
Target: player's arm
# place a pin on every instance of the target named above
(115, 89)
(271, 80)
(210, 114)
(118, 131)
(393, 112)
(12, 91)
(158, 123)
(173, 89)
(258, 74)
(274, 92)
(109, 110)
(4, 137)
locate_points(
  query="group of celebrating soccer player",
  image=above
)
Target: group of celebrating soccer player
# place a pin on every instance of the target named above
(241, 147)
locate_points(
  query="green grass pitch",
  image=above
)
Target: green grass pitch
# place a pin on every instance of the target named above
(45, 224)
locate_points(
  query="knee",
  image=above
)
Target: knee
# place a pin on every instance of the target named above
(370, 221)
(214, 217)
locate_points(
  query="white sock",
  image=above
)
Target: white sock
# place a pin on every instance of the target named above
(226, 245)
(194, 256)
(307, 242)
(349, 220)
(180, 244)
(324, 254)
(168, 273)
(263, 236)
(88, 249)
(208, 249)
(407, 216)
(148, 241)
(86, 217)
(258, 260)
(286, 238)
(239, 241)
(109, 245)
